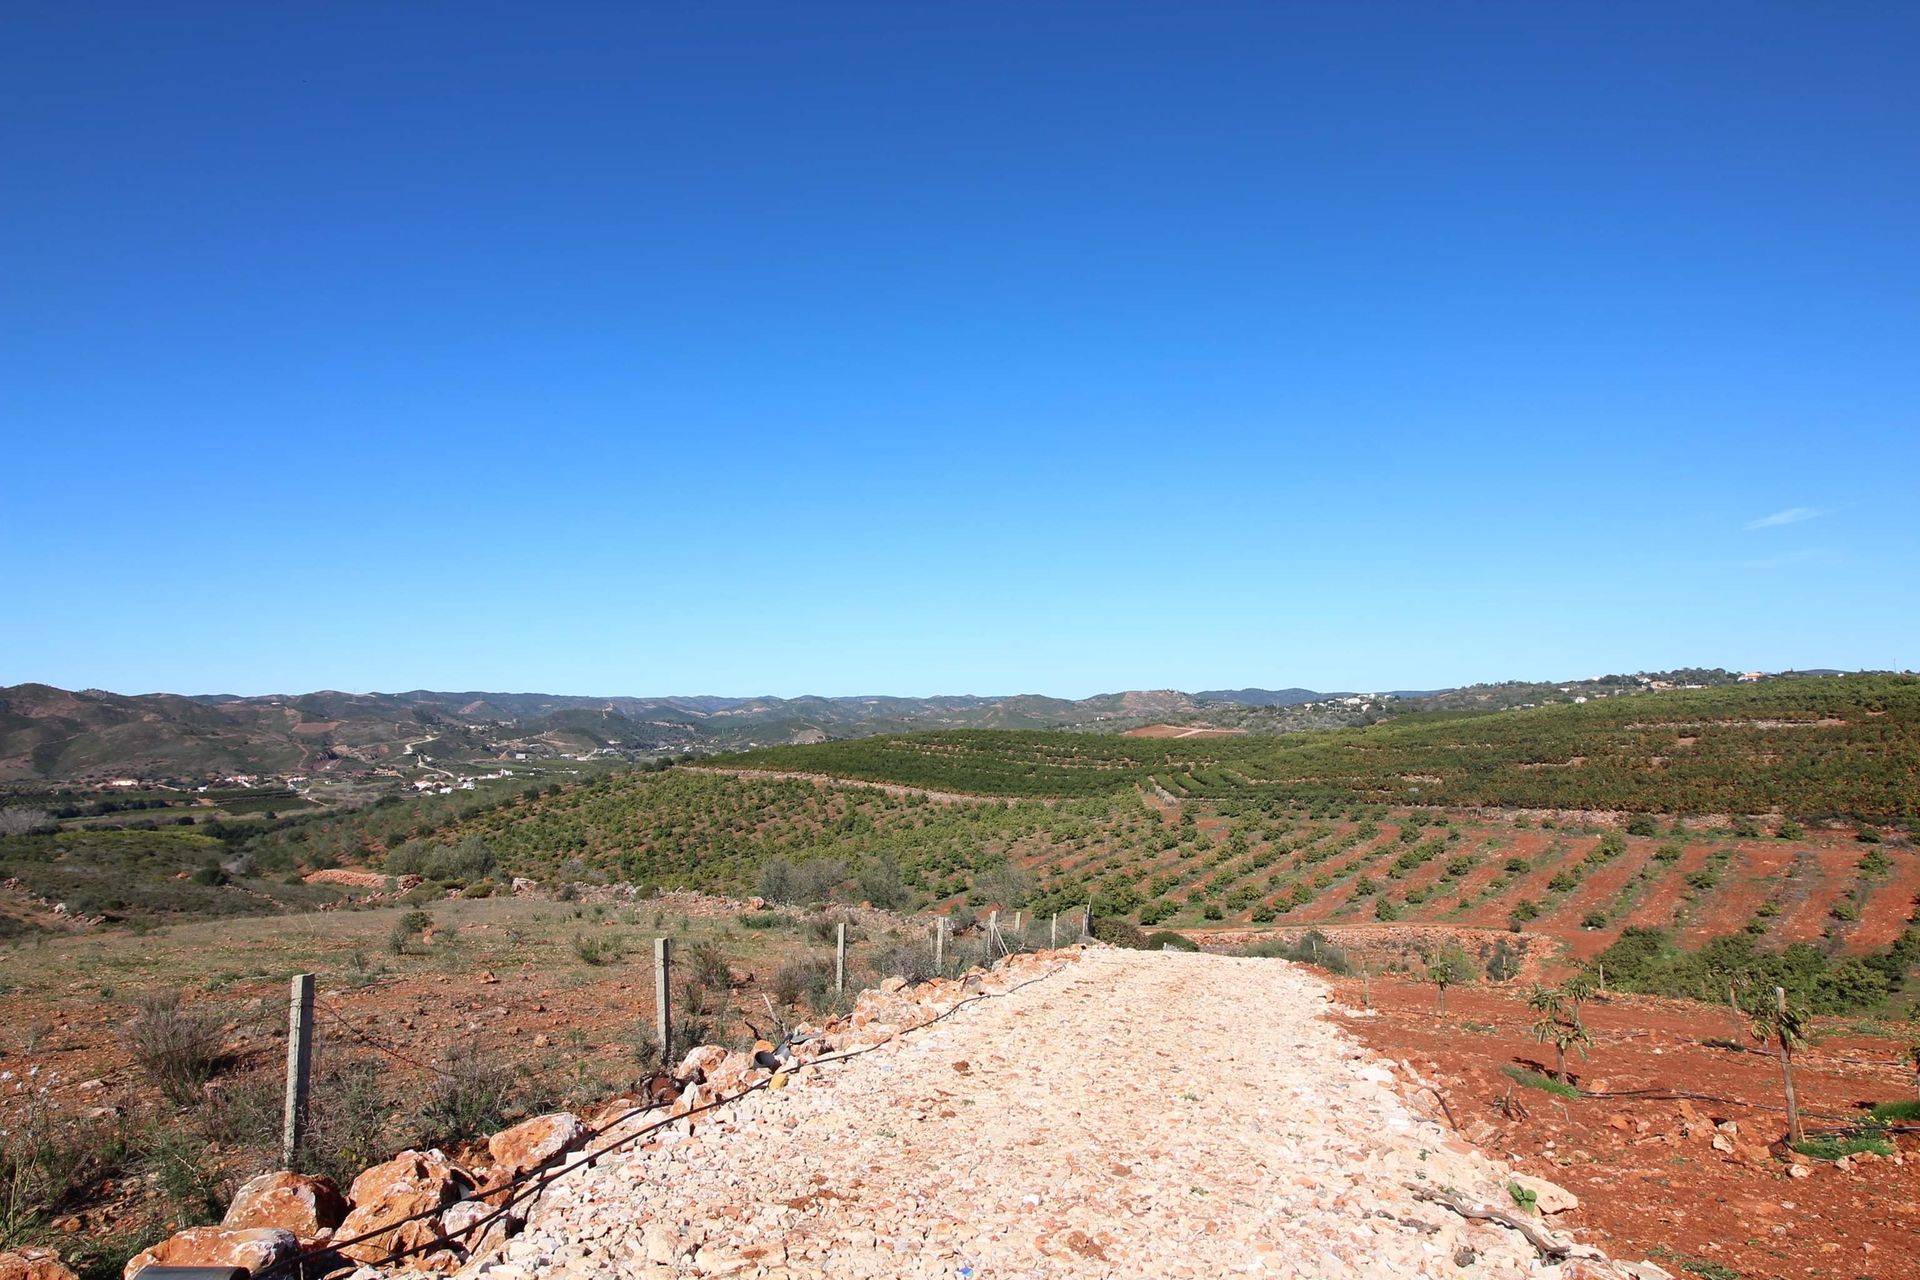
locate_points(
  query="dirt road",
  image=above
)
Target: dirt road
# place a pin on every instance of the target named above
(1131, 1114)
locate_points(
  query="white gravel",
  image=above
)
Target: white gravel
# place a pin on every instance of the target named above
(1135, 1114)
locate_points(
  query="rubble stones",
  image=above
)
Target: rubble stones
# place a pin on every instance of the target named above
(1124, 1113)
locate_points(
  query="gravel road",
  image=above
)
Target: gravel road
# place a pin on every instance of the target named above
(1130, 1114)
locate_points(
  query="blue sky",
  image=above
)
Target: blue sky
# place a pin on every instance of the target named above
(954, 348)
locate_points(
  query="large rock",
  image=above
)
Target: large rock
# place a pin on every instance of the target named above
(407, 1195)
(33, 1264)
(540, 1141)
(293, 1202)
(251, 1247)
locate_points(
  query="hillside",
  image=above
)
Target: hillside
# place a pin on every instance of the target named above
(1842, 746)
(50, 735)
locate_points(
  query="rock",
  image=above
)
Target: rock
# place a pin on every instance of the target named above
(1548, 1197)
(293, 1202)
(1799, 1171)
(715, 1260)
(661, 1243)
(251, 1247)
(407, 1194)
(33, 1264)
(1647, 1271)
(533, 1143)
(703, 1060)
(893, 984)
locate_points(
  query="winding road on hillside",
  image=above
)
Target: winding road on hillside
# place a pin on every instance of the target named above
(1128, 1113)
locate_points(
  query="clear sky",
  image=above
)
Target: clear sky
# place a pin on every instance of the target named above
(977, 347)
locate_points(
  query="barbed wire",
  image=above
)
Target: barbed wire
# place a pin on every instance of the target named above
(374, 1042)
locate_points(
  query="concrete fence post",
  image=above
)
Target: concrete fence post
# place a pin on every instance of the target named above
(293, 1126)
(840, 958)
(662, 1002)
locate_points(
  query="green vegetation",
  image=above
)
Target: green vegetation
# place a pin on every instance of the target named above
(1836, 747)
(1646, 960)
(1834, 1147)
(1534, 1080)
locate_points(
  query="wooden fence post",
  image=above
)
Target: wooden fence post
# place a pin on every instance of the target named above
(840, 958)
(1053, 931)
(293, 1127)
(662, 1004)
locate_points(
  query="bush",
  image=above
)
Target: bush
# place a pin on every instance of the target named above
(910, 960)
(470, 1095)
(800, 980)
(881, 884)
(1503, 963)
(1165, 938)
(176, 1048)
(708, 963)
(765, 919)
(1118, 932)
(596, 949)
(347, 1125)
(1643, 824)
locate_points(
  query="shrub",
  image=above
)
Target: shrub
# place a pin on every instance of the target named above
(764, 919)
(1503, 963)
(347, 1125)
(1790, 830)
(468, 1096)
(708, 963)
(595, 949)
(881, 883)
(1165, 938)
(1643, 824)
(177, 1048)
(910, 960)
(1118, 932)
(799, 980)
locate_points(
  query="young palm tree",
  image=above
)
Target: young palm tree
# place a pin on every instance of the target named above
(1786, 1026)
(1559, 1025)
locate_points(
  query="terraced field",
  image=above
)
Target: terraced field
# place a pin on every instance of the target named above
(1347, 828)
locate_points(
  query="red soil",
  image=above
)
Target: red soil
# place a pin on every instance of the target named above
(1650, 1181)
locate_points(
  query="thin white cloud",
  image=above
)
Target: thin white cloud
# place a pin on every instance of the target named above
(1792, 515)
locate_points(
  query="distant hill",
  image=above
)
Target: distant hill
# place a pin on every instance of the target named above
(1264, 697)
(94, 736)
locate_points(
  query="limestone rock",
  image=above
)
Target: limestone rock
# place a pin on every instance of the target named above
(407, 1194)
(251, 1247)
(534, 1143)
(703, 1060)
(293, 1202)
(33, 1264)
